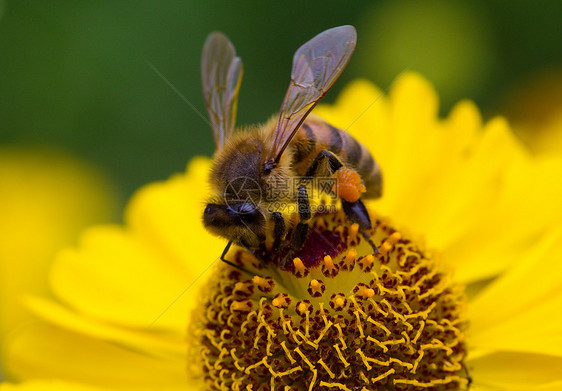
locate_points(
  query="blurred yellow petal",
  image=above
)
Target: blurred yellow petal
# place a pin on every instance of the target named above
(162, 240)
(42, 351)
(54, 385)
(57, 385)
(516, 372)
(168, 217)
(109, 256)
(151, 340)
(46, 197)
(520, 311)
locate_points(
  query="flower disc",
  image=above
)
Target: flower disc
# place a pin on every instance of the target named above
(343, 316)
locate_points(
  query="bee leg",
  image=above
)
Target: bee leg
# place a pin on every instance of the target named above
(225, 251)
(278, 229)
(334, 163)
(303, 204)
(297, 240)
(301, 230)
(357, 213)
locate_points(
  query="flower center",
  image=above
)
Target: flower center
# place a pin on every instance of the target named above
(343, 317)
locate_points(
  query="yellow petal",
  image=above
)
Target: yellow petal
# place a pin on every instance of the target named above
(149, 267)
(512, 371)
(151, 341)
(514, 221)
(462, 129)
(46, 198)
(114, 277)
(43, 351)
(59, 385)
(521, 309)
(167, 216)
(53, 385)
(536, 329)
(413, 108)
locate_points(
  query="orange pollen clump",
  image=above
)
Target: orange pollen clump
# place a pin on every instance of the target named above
(348, 184)
(338, 316)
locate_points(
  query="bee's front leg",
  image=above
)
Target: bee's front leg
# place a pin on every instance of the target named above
(223, 258)
(301, 230)
(251, 251)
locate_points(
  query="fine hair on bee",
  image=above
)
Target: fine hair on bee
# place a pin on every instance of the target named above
(259, 171)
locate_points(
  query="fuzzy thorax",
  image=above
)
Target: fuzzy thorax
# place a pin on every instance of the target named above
(238, 176)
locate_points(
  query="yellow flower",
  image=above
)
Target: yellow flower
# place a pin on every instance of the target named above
(488, 213)
(46, 198)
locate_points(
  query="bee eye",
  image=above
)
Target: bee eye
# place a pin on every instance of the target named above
(211, 212)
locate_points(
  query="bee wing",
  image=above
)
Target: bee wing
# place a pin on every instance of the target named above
(221, 71)
(316, 66)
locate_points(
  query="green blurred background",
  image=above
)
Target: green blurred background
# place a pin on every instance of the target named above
(74, 74)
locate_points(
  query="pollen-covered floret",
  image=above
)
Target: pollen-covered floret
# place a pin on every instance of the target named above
(342, 318)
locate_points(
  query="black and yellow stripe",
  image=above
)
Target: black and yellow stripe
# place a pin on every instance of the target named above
(315, 136)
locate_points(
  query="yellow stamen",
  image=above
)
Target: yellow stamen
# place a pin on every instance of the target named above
(302, 307)
(243, 288)
(329, 262)
(264, 284)
(243, 306)
(300, 269)
(350, 257)
(366, 262)
(365, 293)
(353, 231)
(281, 300)
(316, 288)
(339, 302)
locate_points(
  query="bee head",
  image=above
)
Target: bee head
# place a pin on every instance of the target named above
(240, 222)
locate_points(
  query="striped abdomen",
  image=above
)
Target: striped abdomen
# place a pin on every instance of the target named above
(315, 136)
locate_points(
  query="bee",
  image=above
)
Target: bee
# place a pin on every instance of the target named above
(251, 164)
